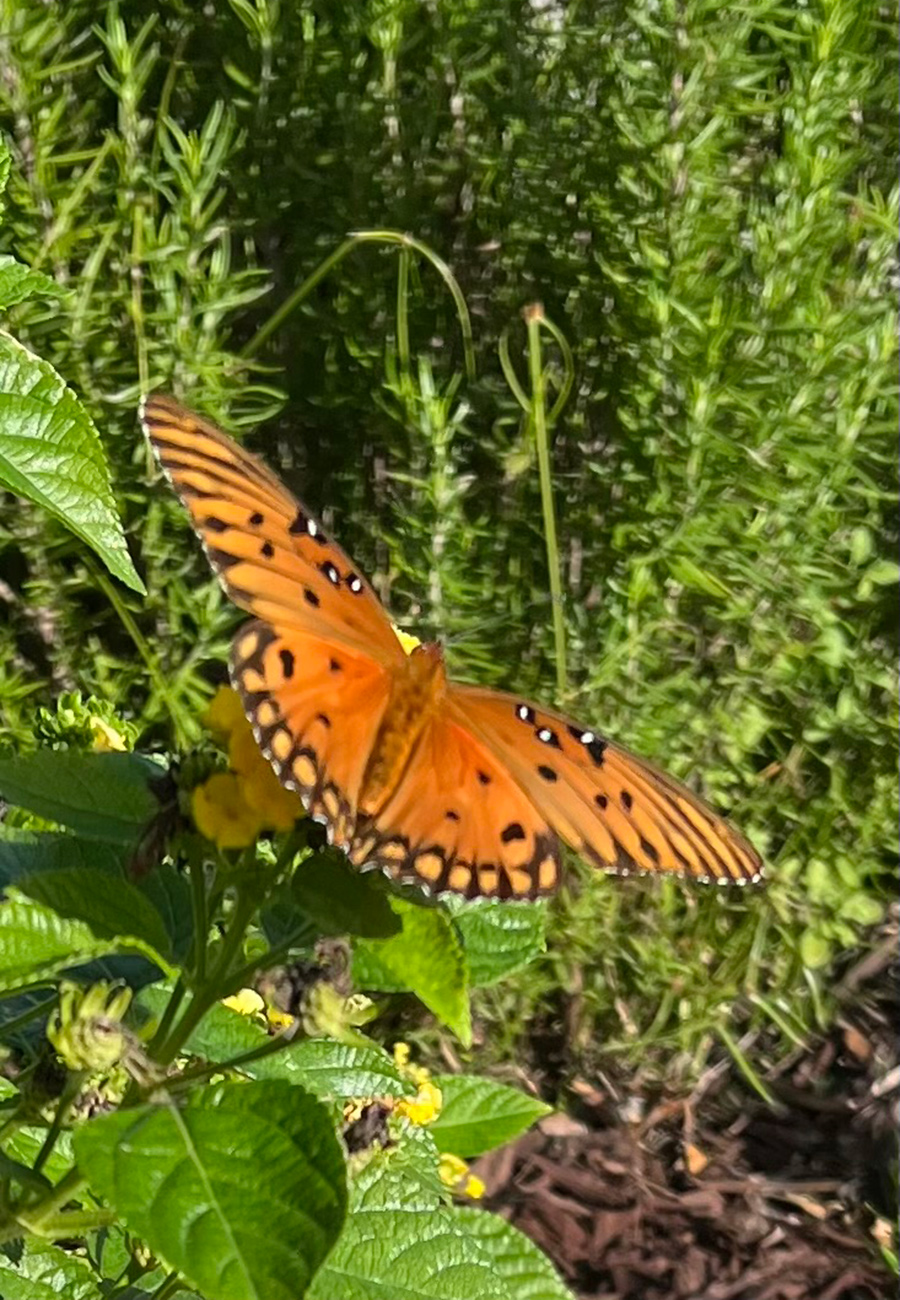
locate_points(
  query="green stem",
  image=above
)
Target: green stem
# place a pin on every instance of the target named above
(175, 1000)
(71, 1090)
(203, 999)
(196, 868)
(372, 237)
(37, 1216)
(403, 353)
(534, 317)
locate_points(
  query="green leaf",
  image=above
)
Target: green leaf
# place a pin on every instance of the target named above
(862, 909)
(29, 853)
(36, 944)
(51, 454)
(499, 938)
(527, 1272)
(340, 900)
(243, 1190)
(815, 950)
(110, 908)
(18, 282)
(332, 1070)
(46, 1272)
(101, 796)
(691, 575)
(425, 958)
(478, 1114)
(401, 1243)
(883, 573)
(222, 1033)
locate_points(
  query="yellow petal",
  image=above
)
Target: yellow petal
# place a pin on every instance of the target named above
(407, 640)
(224, 713)
(221, 813)
(246, 1002)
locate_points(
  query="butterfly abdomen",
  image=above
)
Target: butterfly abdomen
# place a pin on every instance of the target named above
(418, 687)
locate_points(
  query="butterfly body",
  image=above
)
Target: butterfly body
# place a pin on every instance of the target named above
(436, 783)
(418, 688)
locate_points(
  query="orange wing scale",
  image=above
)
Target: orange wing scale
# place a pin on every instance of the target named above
(447, 786)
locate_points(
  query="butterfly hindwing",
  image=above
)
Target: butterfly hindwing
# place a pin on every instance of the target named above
(457, 821)
(615, 809)
(272, 557)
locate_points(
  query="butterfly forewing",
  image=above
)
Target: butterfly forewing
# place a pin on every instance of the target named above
(272, 557)
(613, 808)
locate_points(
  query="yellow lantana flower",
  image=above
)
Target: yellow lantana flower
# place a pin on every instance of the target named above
(424, 1107)
(454, 1173)
(232, 808)
(407, 640)
(224, 713)
(222, 814)
(246, 1002)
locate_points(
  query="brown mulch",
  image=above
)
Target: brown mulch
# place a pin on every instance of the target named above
(622, 1218)
(700, 1199)
(718, 1196)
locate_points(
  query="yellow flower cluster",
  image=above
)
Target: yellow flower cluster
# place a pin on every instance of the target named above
(426, 1104)
(231, 808)
(422, 1109)
(454, 1173)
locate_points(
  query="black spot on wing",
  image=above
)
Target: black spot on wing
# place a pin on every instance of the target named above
(547, 773)
(514, 831)
(311, 598)
(287, 662)
(256, 519)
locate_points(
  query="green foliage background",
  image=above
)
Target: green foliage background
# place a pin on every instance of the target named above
(703, 197)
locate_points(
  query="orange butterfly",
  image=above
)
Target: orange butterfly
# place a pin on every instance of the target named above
(447, 786)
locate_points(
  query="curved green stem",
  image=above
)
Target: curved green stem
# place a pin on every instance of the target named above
(534, 318)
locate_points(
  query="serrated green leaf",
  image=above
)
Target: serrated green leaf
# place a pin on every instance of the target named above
(45, 1270)
(101, 796)
(242, 1191)
(337, 1071)
(425, 958)
(479, 1114)
(18, 282)
(51, 454)
(401, 1243)
(36, 944)
(498, 938)
(340, 900)
(527, 1272)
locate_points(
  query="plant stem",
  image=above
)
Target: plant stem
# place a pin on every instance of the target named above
(70, 1092)
(203, 999)
(201, 917)
(534, 317)
(175, 999)
(36, 1217)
